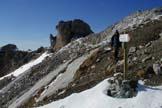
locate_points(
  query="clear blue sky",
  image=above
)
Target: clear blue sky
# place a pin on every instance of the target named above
(28, 23)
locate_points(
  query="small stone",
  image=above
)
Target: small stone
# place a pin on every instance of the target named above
(107, 49)
(119, 63)
(146, 58)
(147, 51)
(73, 84)
(98, 60)
(132, 49)
(160, 35)
(148, 44)
(157, 69)
(134, 59)
(64, 61)
(93, 66)
(140, 47)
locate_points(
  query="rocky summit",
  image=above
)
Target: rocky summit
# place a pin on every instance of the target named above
(81, 59)
(70, 30)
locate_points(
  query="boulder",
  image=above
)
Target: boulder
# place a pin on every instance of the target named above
(128, 89)
(70, 30)
(121, 88)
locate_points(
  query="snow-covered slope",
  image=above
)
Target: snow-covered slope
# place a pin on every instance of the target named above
(96, 97)
(61, 81)
(27, 66)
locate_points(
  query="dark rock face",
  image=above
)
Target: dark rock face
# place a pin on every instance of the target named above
(40, 50)
(71, 30)
(11, 58)
(52, 40)
(9, 47)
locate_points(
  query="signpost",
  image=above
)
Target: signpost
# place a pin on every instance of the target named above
(125, 38)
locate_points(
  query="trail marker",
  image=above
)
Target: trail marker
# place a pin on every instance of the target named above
(125, 38)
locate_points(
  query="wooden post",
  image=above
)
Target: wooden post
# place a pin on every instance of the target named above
(125, 39)
(125, 59)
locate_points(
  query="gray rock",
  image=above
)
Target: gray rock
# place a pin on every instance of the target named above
(148, 44)
(147, 58)
(121, 89)
(138, 52)
(140, 46)
(134, 59)
(146, 51)
(98, 60)
(160, 35)
(132, 49)
(107, 49)
(157, 69)
(93, 67)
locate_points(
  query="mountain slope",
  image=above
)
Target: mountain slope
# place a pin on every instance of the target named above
(27, 66)
(85, 62)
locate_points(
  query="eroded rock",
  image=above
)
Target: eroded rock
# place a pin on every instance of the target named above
(70, 30)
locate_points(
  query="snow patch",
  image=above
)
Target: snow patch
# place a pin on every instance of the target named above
(65, 78)
(96, 97)
(27, 66)
(43, 82)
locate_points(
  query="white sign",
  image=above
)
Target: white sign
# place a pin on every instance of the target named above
(124, 38)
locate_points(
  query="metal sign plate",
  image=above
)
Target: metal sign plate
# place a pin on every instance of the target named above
(124, 38)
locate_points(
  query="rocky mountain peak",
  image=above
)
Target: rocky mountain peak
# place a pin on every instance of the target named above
(70, 30)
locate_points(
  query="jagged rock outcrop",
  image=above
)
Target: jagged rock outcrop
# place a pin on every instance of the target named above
(11, 58)
(70, 30)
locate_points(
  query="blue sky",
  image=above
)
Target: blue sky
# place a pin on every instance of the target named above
(28, 23)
